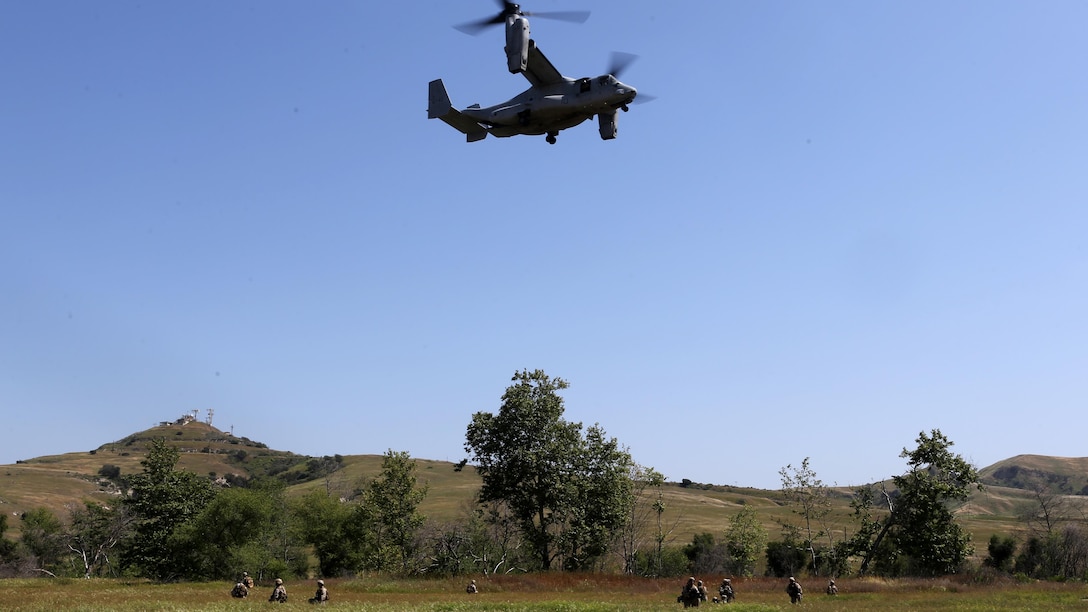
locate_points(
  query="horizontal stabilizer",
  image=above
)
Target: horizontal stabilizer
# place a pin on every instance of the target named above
(439, 107)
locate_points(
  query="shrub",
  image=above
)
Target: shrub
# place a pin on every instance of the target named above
(110, 471)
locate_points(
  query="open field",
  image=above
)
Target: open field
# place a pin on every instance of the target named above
(567, 592)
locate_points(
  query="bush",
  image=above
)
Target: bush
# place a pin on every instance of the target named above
(110, 471)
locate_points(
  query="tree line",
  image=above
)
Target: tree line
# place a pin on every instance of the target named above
(554, 496)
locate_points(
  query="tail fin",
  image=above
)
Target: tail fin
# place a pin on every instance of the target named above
(438, 101)
(440, 107)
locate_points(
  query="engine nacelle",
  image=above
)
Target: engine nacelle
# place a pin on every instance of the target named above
(517, 43)
(607, 122)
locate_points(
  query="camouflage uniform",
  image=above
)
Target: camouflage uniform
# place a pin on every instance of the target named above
(794, 591)
(322, 594)
(725, 592)
(689, 595)
(831, 588)
(471, 588)
(240, 591)
(279, 594)
(247, 580)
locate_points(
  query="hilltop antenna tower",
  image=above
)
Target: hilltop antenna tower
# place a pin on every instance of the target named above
(211, 412)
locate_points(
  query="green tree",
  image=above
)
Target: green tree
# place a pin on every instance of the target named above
(785, 558)
(391, 505)
(919, 534)
(162, 500)
(602, 497)
(705, 555)
(537, 464)
(745, 540)
(336, 530)
(1000, 552)
(94, 531)
(239, 528)
(8, 548)
(41, 536)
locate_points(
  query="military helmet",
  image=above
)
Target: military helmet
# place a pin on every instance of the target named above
(279, 581)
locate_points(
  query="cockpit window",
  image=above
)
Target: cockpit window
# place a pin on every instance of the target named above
(583, 84)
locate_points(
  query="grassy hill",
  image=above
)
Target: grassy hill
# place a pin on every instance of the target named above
(1054, 474)
(57, 481)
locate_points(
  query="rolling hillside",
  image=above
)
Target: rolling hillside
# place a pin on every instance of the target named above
(1054, 474)
(57, 481)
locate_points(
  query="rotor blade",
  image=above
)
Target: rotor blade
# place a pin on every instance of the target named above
(473, 28)
(570, 16)
(642, 98)
(620, 62)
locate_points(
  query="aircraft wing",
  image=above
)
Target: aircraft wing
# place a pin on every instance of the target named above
(539, 70)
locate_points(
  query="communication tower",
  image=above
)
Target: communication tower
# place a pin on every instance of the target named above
(211, 413)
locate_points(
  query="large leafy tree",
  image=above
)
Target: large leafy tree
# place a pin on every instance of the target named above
(603, 493)
(745, 539)
(567, 493)
(162, 500)
(335, 530)
(391, 505)
(240, 528)
(919, 534)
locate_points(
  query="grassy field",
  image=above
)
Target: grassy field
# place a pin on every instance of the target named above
(565, 592)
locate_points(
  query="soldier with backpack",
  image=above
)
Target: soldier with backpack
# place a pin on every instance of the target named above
(793, 589)
(726, 594)
(239, 591)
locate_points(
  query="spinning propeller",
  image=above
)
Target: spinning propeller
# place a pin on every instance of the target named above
(619, 64)
(509, 9)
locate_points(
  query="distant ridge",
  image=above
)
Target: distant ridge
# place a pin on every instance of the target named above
(1065, 475)
(57, 481)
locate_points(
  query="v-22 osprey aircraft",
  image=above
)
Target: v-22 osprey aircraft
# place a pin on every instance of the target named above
(553, 103)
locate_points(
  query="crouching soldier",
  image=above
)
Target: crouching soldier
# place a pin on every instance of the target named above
(240, 591)
(279, 594)
(322, 594)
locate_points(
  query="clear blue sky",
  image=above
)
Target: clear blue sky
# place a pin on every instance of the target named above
(839, 224)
